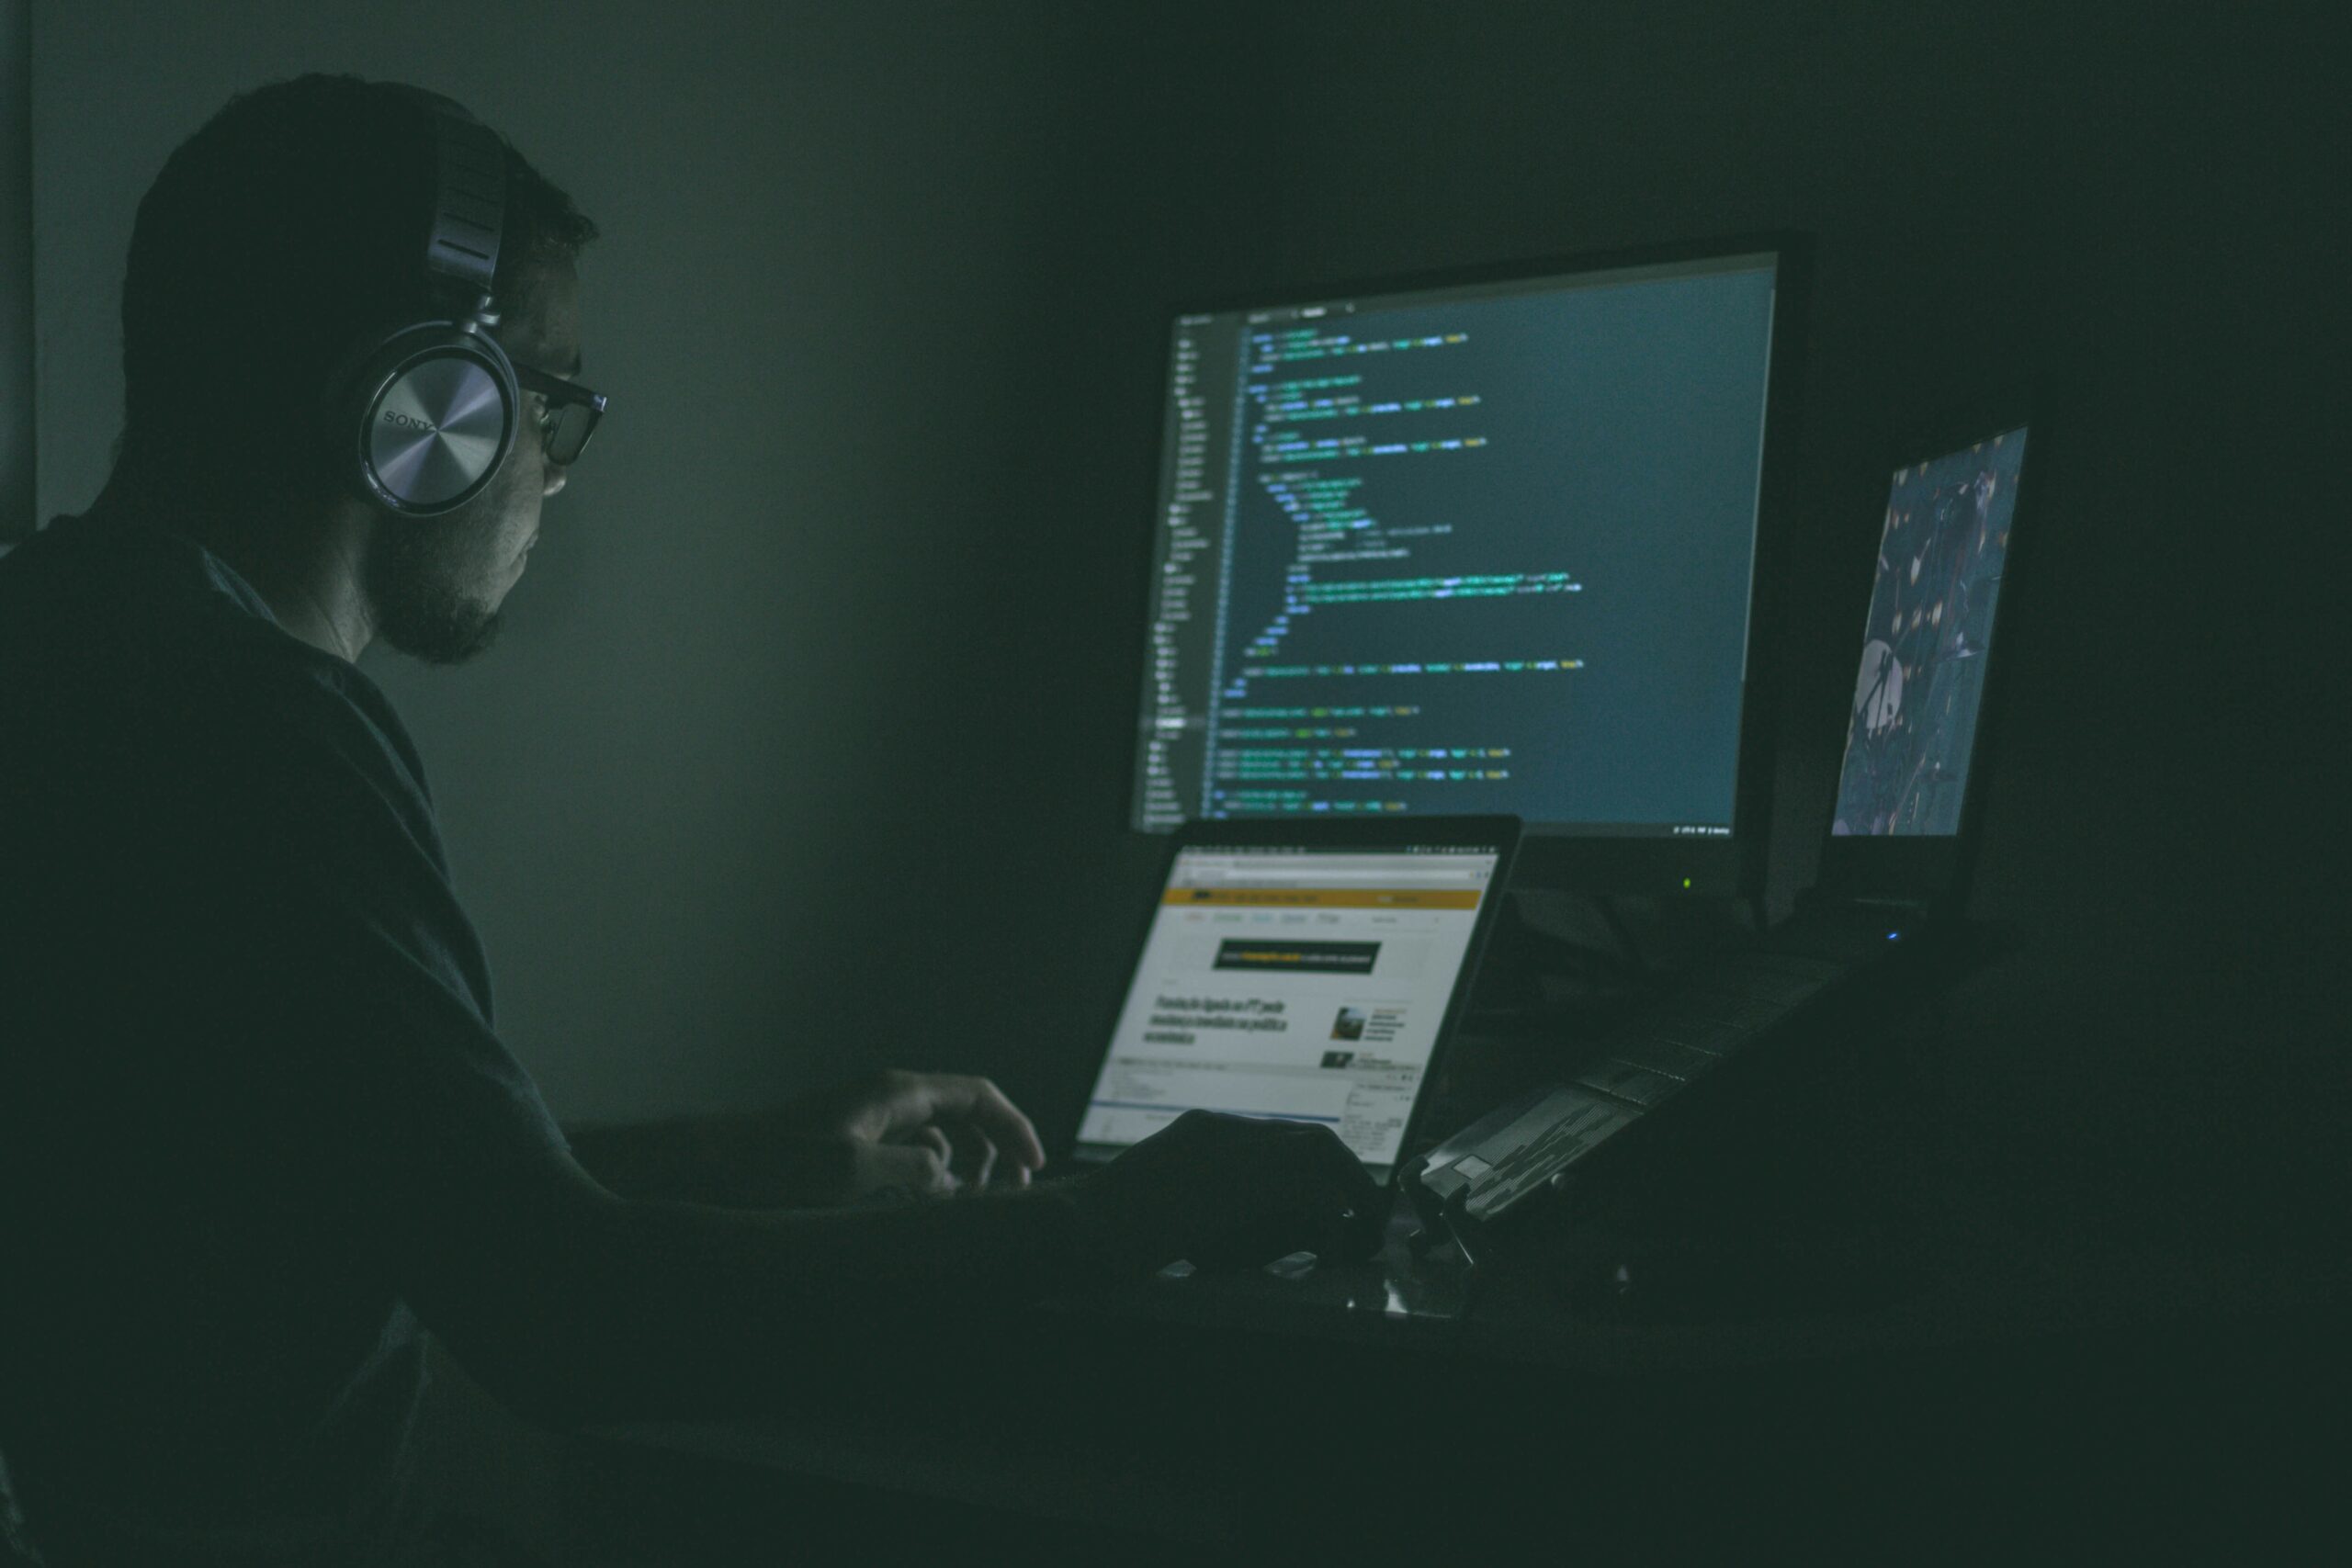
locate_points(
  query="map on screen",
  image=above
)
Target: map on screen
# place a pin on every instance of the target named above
(1929, 633)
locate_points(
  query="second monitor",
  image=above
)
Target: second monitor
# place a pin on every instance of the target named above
(1484, 544)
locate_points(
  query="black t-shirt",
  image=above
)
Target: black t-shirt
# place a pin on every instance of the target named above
(247, 1065)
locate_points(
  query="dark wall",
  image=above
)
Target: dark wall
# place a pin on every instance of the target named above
(2142, 218)
(16, 273)
(809, 745)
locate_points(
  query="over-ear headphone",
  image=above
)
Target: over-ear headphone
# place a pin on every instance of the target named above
(423, 417)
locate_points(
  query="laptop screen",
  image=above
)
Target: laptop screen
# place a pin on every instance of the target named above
(1912, 732)
(1305, 984)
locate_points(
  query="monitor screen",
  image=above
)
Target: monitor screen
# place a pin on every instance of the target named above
(1480, 547)
(1305, 984)
(1912, 732)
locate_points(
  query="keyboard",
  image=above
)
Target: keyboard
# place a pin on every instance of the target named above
(1726, 1005)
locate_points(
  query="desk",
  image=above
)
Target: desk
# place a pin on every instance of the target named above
(1892, 1345)
(2015, 1392)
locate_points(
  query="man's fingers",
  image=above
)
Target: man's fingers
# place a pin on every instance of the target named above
(974, 1153)
(1000, 1121)
(917, 1167)
(907, 1101)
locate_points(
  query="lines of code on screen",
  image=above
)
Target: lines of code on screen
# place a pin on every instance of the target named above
(1477, 550)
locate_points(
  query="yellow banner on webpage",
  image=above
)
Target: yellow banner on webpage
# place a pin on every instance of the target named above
(1329, 898)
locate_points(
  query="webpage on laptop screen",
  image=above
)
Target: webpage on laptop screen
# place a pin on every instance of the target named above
(1303, 984)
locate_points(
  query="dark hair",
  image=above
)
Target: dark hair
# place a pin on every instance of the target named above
(290, 226)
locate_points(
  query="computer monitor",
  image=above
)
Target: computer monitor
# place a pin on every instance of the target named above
(1477, 543)
(1904, 819)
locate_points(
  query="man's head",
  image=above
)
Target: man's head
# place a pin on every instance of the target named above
(286, 235)
(435, 583)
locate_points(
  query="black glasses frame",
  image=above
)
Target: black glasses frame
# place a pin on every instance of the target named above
(573, 411)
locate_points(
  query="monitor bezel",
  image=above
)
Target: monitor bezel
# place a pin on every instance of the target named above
(1504, 834)
(1932, 870)
(1556, 855)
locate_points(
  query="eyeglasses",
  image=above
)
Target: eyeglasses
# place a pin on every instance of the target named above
(572, 414)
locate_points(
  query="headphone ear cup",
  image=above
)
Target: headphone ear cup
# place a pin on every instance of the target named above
(426, 420)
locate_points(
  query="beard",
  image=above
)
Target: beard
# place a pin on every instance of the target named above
(416, 580)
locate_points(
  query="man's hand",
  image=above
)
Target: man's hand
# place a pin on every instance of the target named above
(915, 1134)
(919, 1134)
(1232, 1193)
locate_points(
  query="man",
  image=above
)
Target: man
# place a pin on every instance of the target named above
(255, 1125)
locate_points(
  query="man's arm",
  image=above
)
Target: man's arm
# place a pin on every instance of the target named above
(755, 1159)
(690, 1160)
(919, 1133)
(569, 1301)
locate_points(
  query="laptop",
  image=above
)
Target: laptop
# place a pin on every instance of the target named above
(1304, 969)
(1894, 866)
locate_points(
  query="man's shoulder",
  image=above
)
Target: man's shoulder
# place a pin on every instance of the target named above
(140, 647)
(283, 691)
(312, 745)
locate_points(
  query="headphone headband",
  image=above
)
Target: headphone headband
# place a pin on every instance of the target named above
(469, 209)
(427, 414)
